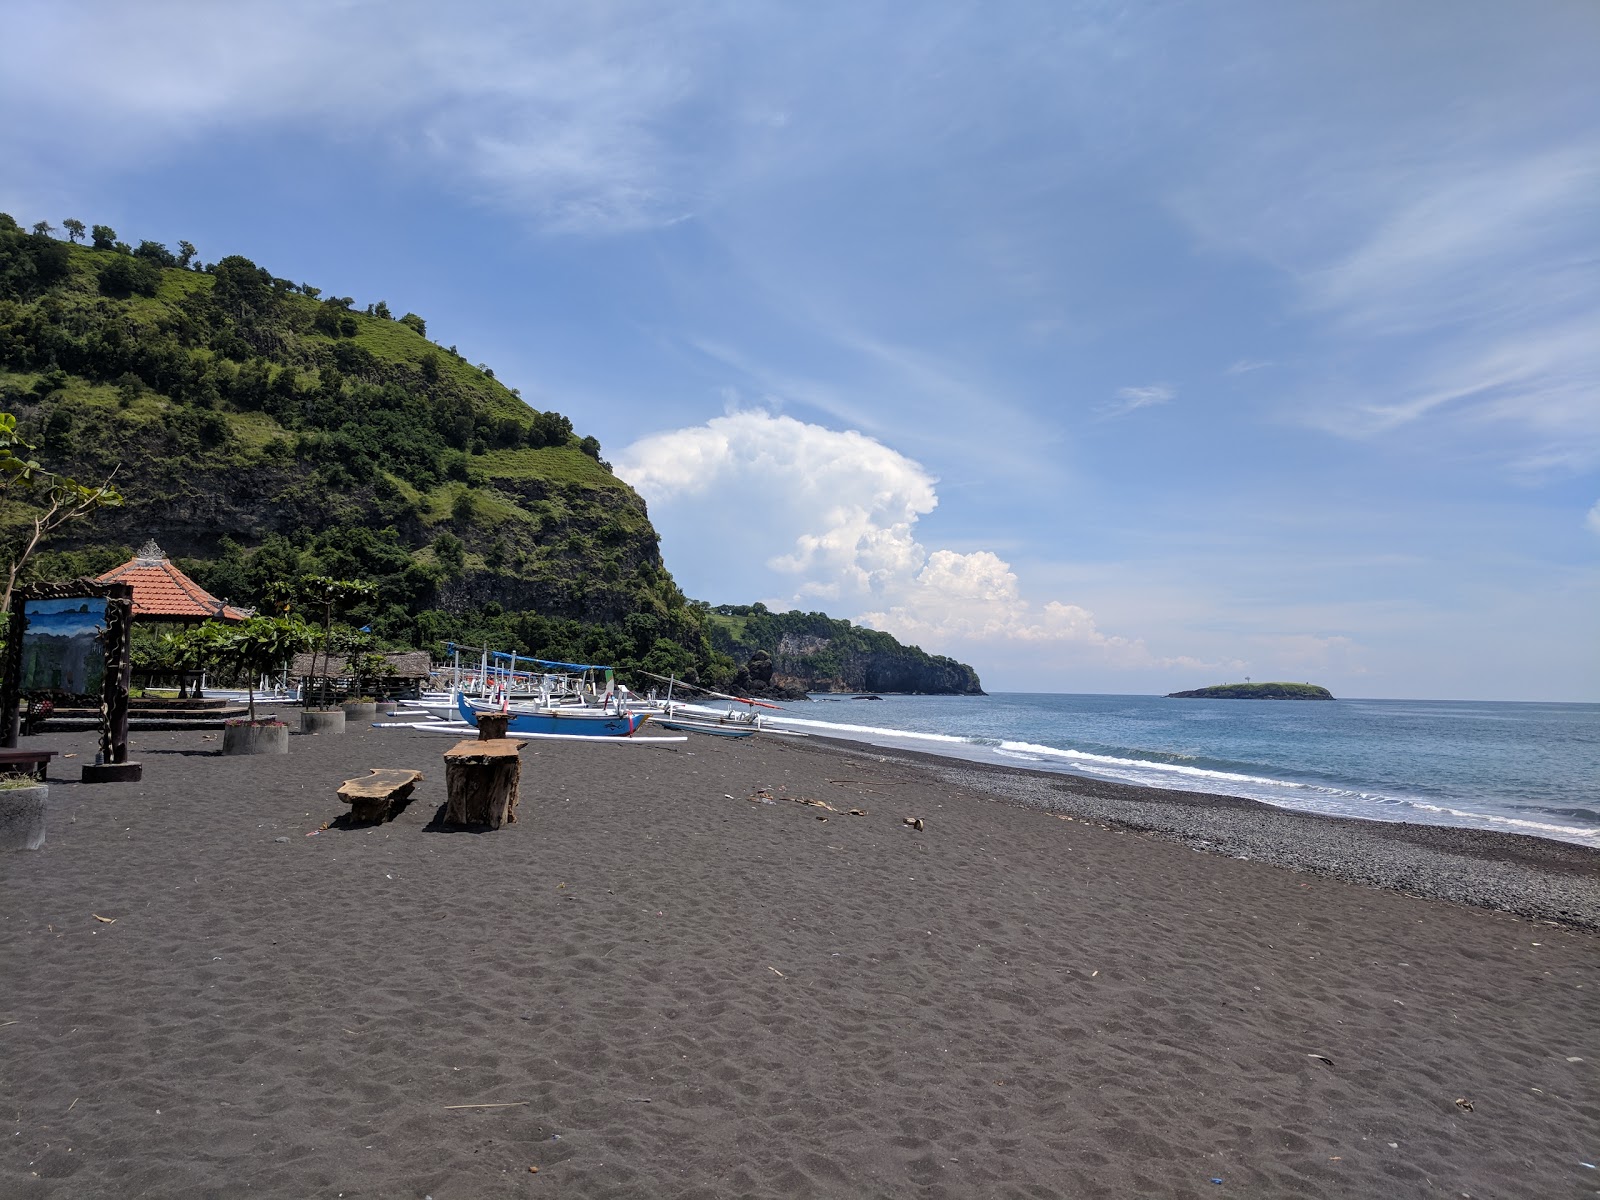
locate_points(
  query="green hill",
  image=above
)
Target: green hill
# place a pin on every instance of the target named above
(1255, 691)
(260, 430)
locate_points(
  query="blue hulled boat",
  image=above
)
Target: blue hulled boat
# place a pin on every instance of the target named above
(593, 722)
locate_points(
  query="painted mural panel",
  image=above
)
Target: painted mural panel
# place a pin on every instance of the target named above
(61, 646)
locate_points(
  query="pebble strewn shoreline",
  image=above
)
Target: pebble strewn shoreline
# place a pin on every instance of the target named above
(1537, 878)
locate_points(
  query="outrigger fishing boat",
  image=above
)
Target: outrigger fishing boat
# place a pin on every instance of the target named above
(539, 696)
(606, 721)
(706, 720)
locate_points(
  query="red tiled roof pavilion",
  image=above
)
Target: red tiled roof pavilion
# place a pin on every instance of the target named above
(161, 592)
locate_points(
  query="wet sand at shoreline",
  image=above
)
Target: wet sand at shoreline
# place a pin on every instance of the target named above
(680, 982)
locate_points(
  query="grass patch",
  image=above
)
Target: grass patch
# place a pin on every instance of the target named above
(391, 341)
(179, 285)
(408, 493)
(735, 626)
(488, 507)
(559, 464)
(254, 429)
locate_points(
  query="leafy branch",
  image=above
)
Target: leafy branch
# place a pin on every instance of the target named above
(58, 499)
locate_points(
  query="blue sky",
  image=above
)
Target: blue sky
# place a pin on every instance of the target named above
(1107, 347)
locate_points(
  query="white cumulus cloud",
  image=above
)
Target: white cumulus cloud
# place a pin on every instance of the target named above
(832, 517)
(841, 504)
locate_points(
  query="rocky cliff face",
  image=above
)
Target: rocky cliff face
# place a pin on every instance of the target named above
(814, 664)
(790, 654)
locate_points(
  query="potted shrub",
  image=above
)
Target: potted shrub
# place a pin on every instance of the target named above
(22, 804)
(257, 647)
(245, 735)
(318, 713)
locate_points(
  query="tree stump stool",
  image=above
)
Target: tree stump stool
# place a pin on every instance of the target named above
(370, 796)
(492, 726)
(481, 779)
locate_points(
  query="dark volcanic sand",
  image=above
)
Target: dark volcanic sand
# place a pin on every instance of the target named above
(689, 995)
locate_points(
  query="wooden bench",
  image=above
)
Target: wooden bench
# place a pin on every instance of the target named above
(37, 762)
(481, 779)
(370, 796)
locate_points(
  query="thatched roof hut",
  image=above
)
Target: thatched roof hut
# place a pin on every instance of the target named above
(407, 664)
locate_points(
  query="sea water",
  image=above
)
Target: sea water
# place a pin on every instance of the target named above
(1516, 768)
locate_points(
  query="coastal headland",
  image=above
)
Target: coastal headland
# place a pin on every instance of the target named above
(674, 977)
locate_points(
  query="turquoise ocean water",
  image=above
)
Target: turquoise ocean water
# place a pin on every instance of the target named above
(1516, 768)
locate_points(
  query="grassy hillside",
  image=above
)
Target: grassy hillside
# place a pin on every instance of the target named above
(259, 429)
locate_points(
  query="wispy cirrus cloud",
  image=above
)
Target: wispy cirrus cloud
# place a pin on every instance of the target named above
(1130, 399)
(1441, 256)
(561, 114)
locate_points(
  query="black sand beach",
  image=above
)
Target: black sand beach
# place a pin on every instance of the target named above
(659, 986)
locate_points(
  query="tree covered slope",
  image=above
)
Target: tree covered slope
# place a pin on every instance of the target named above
(260, 430)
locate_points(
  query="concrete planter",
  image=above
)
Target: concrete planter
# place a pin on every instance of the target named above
(360, 710)
(22, 817)
(255, 739)
(322, 720)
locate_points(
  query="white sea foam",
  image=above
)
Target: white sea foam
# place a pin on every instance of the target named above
(1107, 762)
(875, 731)
(1515, 824)
(1181, 776)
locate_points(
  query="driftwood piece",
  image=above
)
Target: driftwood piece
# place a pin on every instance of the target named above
(370, 796)
(481, 779)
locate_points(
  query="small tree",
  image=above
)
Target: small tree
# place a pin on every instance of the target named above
(155, 252)
(53, 500)
(180, 650)
(450, 555)
(368, 667)
(74, 228)
(43, 228)
(261, 645)
(324, 596)
(194, 649)
(124, 275)
(103, 237)
(415, 322)
(186, 253)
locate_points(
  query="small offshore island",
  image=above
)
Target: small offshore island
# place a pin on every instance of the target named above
(1255, 691)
